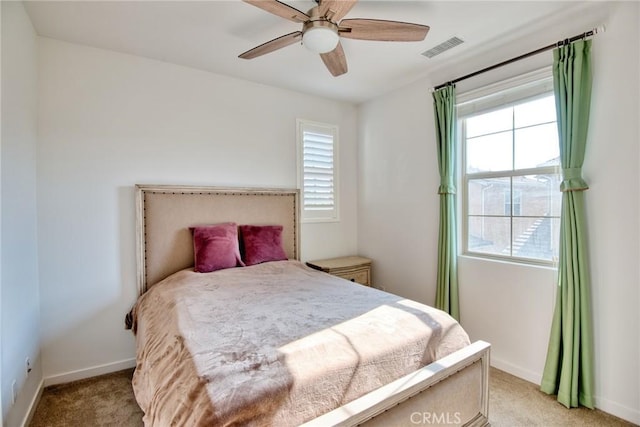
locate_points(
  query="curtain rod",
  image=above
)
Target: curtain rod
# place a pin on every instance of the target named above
(597, 30)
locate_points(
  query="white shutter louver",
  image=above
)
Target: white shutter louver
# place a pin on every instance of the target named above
(317, 170)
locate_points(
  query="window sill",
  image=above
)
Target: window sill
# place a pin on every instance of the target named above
(319, 220)
(513, 263)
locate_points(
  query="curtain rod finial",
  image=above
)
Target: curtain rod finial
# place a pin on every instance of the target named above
(599, 29)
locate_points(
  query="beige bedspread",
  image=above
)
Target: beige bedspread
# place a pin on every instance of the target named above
(274, 344)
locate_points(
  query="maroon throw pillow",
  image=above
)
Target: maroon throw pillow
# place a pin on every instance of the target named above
(262, 243)
(216, 247)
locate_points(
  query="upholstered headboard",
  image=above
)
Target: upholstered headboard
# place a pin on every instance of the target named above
(165, 213)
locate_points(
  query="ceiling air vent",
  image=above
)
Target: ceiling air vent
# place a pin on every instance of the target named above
(437, 50)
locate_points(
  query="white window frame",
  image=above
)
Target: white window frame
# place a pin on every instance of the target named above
(513, 91)
(310, 214)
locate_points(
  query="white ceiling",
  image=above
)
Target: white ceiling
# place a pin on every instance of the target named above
(209, 35)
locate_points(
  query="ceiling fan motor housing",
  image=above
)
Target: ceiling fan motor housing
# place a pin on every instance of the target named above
(319, 34)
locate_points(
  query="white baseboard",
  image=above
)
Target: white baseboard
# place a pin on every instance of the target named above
(33, 405)
(94, 371)
(519, 372)
(618, 410)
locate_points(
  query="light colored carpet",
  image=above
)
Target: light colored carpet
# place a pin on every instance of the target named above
(108, 401)
(514, 402)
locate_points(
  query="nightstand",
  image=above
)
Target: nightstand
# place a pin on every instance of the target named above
(354, 268)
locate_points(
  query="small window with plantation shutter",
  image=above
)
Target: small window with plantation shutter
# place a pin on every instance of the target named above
(317, 170)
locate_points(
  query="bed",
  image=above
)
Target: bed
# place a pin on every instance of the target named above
(278, 343)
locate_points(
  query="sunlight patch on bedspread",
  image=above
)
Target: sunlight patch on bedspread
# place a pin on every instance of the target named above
(276, 344)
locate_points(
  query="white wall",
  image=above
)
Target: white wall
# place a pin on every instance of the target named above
(510, 305)
(613, 208)
(19, 261)
(397, 192)
(108, 121)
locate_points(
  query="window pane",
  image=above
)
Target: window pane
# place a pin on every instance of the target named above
(540, 195)
(489, 196)
(489, 235)
(495, 121)
(507, 214)
(535, 112)
(555, 238)
(537, 146)
(490, 153)
(536, 238)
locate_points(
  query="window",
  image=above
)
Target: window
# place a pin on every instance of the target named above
(317, 170)
(511, 194)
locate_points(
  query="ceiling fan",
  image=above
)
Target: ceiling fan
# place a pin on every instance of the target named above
(322, 27)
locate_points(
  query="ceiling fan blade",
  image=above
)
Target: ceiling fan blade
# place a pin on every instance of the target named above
(280, 9)
(335, 61)
(380, 30)
(272, 45)
(335, 10)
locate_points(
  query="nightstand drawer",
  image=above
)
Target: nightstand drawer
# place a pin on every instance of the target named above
(358, 276)
(354, 268)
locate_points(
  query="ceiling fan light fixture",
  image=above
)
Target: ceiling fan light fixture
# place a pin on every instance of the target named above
(320, 39)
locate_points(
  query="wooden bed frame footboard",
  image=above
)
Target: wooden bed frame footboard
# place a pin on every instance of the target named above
(452, 391)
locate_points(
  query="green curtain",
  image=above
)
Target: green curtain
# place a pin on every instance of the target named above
(444, 101)
(568, 370)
